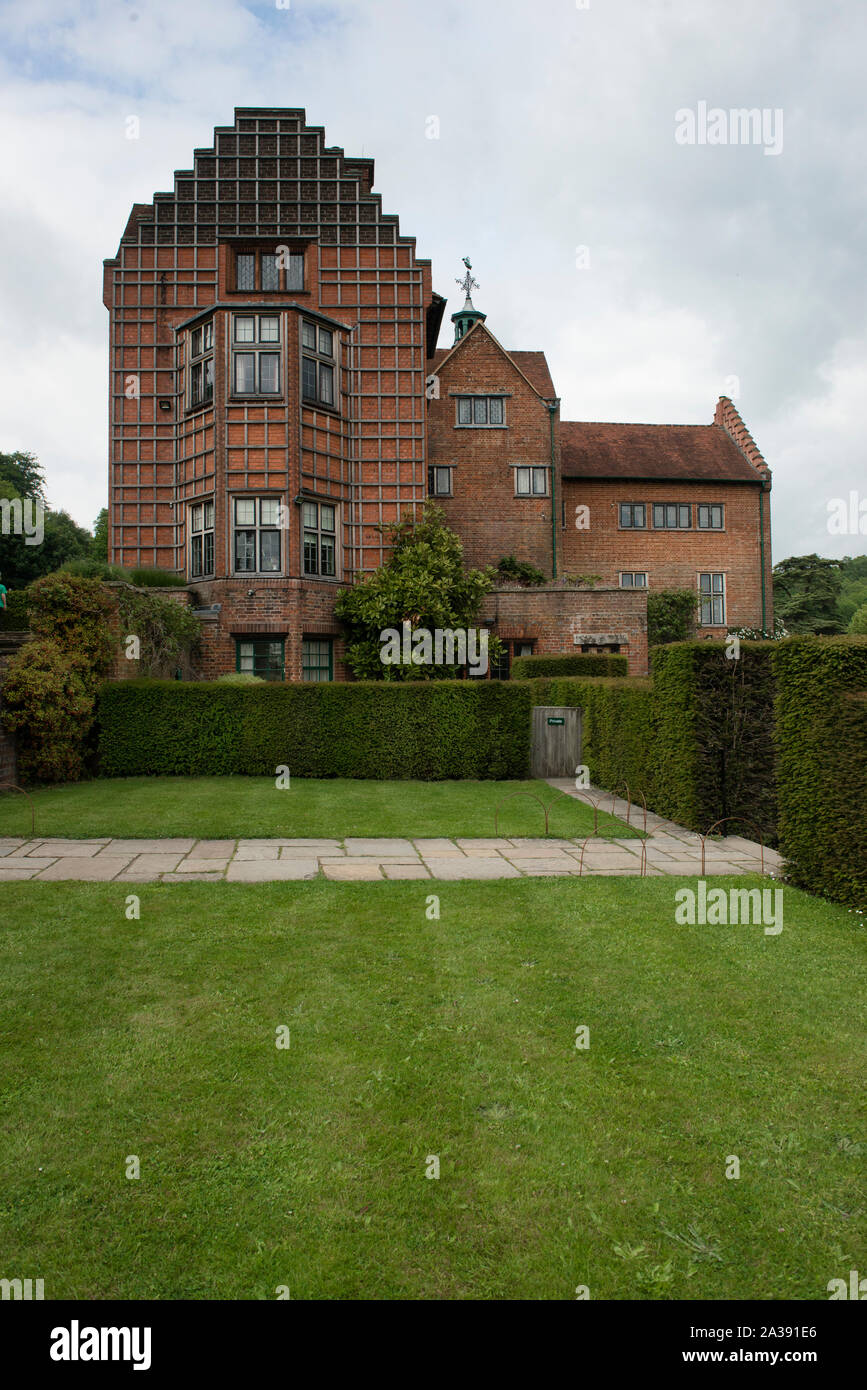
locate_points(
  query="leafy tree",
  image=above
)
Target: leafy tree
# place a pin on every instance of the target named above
(671, 615)
(858, 621)
(21, 476)
(806, 592)
(424, 583)
(99, 546)
(853, 593)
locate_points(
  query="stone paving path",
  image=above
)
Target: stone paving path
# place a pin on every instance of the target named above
(669, 850)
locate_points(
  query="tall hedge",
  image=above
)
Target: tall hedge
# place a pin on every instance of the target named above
(569, 664)
(427, 730)
(713, 755)
(821, 738)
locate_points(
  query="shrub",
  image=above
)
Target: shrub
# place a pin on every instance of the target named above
(239, 678)
(76, 614)
(426, 730)
(48, 708)
(519, 572)
(568, 664)
(14, 617)
(671, 615)
(821, 739)
(169, 633)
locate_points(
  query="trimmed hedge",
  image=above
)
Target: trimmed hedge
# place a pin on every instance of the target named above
(821, 738)
(713, 731)
(617, 726)
(569, 664)
(697, 739)
(430, 730)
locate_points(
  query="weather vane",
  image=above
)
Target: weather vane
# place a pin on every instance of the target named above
(468, 284)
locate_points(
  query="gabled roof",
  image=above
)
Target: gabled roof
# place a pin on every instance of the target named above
(706, 453)
(532, 365)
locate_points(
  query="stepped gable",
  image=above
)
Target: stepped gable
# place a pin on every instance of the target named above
(270, 175)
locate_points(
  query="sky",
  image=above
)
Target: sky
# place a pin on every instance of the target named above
(582, 154)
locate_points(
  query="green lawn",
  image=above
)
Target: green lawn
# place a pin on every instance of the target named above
(229, 807)
(412, 1037)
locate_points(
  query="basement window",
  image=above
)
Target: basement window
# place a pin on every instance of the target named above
(260, 656)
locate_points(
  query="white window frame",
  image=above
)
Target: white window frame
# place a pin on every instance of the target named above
(201, 529)
(534, 471)
(258, 527)
(712, 596)
(633, 575)
(257, 347)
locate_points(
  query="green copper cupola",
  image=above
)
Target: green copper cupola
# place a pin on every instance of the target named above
(464, 319)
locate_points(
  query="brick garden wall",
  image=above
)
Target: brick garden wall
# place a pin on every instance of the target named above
(554, 616)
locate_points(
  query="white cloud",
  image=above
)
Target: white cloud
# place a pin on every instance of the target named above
(556, 130)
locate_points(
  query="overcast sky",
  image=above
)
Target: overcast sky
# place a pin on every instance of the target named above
(655, 274)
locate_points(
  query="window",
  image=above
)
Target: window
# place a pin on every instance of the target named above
(501, 668)
(257, 535)
(633, 579)
(260, 656)
(476, 411)
(712, 592)
(317, 364)
(672, 516)
(633, 516)
(201, 388)
(201, 539)
(317, 659)
(439, 482)
(711, 516)
(319, 528)
(531, 482)
(269, 271)
(255, 364)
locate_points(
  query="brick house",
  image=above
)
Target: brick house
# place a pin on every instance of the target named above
(276, 393)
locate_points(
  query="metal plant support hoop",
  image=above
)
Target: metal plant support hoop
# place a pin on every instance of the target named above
(742, 821)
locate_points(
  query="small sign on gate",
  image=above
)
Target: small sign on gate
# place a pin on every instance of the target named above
(556, 721)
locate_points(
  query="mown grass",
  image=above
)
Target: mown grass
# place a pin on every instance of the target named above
(412, 1037)
(229, 807)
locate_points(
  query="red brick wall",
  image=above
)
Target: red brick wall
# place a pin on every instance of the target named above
(554, 616)
(491, 521)
(284, 609)
(672, 559)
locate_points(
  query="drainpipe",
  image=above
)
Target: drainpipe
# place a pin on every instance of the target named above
(762, 553)
(552, 410)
